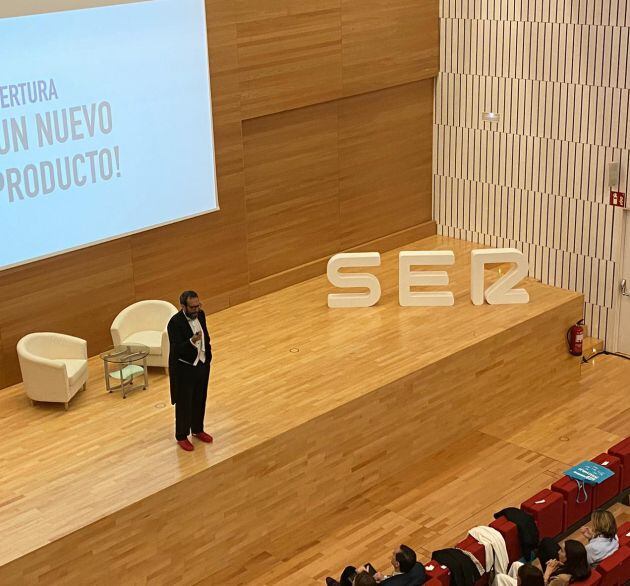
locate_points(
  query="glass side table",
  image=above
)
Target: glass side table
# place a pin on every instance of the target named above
(121, 363)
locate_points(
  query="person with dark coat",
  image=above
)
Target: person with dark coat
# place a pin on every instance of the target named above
(407, 571)
(189, 369)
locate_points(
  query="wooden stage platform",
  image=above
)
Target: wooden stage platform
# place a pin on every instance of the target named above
(309, 406)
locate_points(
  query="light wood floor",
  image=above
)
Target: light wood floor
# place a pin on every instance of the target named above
(280, 361)
(487, 471)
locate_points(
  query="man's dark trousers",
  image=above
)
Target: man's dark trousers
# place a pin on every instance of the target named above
(192, 391)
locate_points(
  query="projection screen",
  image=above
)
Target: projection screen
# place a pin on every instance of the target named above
(105, 122)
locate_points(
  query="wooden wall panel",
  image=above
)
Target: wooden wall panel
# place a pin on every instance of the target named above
(296, 53)
(78, 293)
(385, 157)
(318, 267)
(4, 381)
(289, 61)
(207, 254)
(388, 42)
(292, 189)
(249, 11)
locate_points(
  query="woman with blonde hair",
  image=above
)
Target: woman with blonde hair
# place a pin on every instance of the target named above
(601, 535)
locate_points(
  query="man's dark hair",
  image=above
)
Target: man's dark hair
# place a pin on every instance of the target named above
(406, 558)
(185, 296)
(364, 579)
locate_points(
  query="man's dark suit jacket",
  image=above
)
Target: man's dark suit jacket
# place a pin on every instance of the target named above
(182, 353)
(414, 577)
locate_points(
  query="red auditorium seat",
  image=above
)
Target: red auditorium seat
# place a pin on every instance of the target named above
(613, 568)
(510, 534)
(471, 545)
(593, 580)
(572, 510)
(625, 565)
(547, 508)
(435, 571)
(622, 451)
(623, 533)
(608, 489)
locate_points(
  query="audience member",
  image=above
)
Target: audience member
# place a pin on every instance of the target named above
(407, 571)
(547, 550)
(528, 575)
(570, 567)
(563, 564)
(601, 535)
(521, 574)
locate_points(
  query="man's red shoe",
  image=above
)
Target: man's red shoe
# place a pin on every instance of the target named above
(204, 437)
(186, 445)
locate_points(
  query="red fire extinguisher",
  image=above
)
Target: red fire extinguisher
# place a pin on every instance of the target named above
(575, 337)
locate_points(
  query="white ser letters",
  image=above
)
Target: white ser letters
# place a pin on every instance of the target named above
(354, 259)
(500, 293)
(408, 278)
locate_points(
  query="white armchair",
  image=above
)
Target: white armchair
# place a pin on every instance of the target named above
(54, 366)
(145, 323)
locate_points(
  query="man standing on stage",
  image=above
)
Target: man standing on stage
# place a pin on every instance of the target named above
(189, 369)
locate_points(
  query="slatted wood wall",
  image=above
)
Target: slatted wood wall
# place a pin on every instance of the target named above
(558, 73)
(323, 116)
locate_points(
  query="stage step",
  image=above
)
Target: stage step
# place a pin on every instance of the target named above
(592, 346)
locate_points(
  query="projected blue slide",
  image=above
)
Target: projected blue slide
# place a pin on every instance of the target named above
(105, 125)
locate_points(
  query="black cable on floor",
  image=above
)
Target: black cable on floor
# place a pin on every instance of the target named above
(606, 353)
